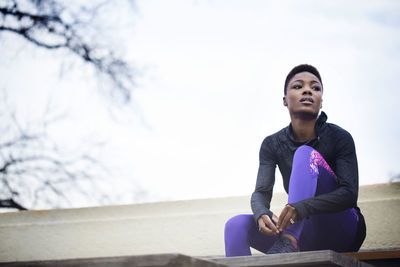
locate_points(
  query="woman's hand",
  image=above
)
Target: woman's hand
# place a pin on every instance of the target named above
(266, 226)
(287, 217)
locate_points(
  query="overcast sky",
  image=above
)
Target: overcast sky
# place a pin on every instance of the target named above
(211, 85)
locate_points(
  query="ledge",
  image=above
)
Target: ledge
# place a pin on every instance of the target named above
(192, 227)
(324, 258)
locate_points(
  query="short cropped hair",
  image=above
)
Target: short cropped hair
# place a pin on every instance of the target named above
(298, 69)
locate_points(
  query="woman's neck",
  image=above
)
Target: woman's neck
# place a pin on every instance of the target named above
(303, 130)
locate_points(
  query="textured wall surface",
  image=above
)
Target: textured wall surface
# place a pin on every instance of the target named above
(192, 227)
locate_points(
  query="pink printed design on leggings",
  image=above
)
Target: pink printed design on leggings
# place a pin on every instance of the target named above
(317, 160)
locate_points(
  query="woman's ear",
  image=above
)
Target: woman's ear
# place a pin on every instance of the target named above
(284, 101)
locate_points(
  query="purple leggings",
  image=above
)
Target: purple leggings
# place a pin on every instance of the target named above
(311, 176)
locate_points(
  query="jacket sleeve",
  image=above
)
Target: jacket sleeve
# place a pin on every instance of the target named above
(345, 196)
(261, 197)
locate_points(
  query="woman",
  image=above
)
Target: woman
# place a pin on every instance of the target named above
(318, 164)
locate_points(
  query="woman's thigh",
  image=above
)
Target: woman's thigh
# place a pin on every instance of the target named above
(335, 231)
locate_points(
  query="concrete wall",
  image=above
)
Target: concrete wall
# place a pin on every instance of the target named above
(192, 227)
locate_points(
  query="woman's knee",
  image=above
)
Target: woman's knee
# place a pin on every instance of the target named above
(239, 223)
(307, 156)
(303, 152)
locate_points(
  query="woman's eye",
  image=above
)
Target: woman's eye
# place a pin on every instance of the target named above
(296, 86)
(317, 88)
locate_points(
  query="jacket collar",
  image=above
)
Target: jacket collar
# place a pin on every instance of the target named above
(320, 123)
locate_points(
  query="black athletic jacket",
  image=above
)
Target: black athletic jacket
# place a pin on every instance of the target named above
(336, 146)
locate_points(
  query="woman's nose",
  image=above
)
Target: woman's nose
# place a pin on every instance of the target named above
(307, 91)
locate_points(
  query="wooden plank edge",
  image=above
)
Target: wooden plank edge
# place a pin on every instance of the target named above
(375, 254)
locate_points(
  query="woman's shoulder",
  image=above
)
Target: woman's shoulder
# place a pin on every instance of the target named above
(336, 130)
(276, 138)
(331, 129)
(277, 135)
(336, 134)
(271, 145)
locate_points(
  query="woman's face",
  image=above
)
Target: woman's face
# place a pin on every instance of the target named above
(304, 95)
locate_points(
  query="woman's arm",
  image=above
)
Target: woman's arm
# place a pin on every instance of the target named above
(261, 198)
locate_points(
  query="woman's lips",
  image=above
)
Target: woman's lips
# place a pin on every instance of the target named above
(307, 100)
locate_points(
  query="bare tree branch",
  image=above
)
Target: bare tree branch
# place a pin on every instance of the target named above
(36, 173)
(10, 203)
(34, 170)
(45, 27)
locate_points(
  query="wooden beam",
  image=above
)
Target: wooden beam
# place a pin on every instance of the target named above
(155, 260)
(309, 258)
(375, 254)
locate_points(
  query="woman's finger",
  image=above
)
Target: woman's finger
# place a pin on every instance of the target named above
(266, 227)
(275, 219)
(282, 216)
(290, 216)
(261, 226)
(286, 221)
(271, 226)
